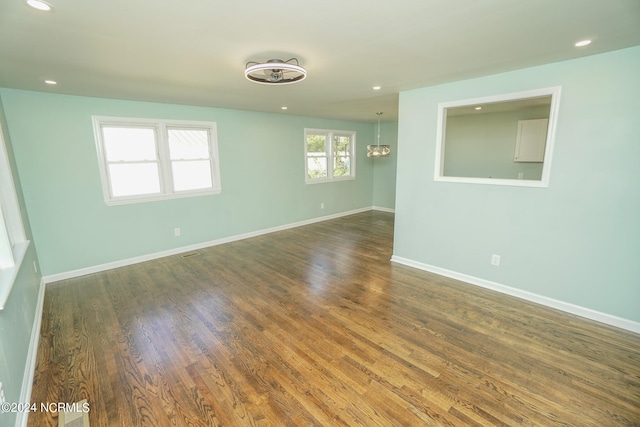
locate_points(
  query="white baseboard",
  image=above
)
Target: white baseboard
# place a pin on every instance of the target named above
(130, 261)
(588, 313)
(380, 208)
(32, 355)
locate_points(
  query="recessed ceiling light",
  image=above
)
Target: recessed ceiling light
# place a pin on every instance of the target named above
(478, 108)
(283, 108)
(39, 4)
(377, 87)
(51, 82)
(583, 43)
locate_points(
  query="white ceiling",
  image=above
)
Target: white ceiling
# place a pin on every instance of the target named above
(194, 51)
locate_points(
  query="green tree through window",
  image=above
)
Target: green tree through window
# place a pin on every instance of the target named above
(341, 155)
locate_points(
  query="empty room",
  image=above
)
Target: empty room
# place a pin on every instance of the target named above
(325, 213)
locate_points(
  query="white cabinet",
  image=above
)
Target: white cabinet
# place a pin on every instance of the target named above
(531, 140)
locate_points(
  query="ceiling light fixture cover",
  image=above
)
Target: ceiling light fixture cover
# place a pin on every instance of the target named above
(275, 72)
(378, 150)
(39, 4)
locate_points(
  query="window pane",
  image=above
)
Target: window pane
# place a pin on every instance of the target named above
(316, 144)
(191, 175)
(341, 166)
(317, 167)
(133, 179)
(129, 143)
(6, 254)
(341, 145)
(188, 144)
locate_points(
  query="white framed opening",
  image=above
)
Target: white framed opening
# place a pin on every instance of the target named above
(492, 140)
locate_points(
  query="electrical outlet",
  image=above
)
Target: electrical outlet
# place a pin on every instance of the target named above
(176, 231)
(495, 260)
(321, 205)
(520, 175)
(2, 398)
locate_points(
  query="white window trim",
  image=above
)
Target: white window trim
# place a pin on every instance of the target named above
(164, 162)
(330, 134)
(13, 241)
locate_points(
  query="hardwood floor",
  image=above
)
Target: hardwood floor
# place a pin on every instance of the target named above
(314, 326)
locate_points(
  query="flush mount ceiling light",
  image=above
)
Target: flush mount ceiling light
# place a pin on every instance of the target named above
(275, 72)
(378, 150)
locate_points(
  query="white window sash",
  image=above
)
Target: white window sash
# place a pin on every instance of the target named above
(6, 249)
(330, 155)
(13, 240)
(163, 159)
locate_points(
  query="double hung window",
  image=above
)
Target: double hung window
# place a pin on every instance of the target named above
(329, 155)
(143, 159)
(13, 241)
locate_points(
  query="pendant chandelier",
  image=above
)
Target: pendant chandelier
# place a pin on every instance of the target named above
(378, 150)
(275, 72)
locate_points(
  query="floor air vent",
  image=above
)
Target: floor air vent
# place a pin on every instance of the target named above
(77, 416)
(190, 254)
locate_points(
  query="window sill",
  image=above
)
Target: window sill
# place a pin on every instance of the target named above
(159, 197)
(326, 180)
(8, 275)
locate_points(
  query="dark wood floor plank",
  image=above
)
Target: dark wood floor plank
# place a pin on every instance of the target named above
(315, 326)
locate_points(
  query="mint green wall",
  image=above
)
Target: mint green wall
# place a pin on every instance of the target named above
(577, 241)
(384, 172)
(16, 320)
(262, 174)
